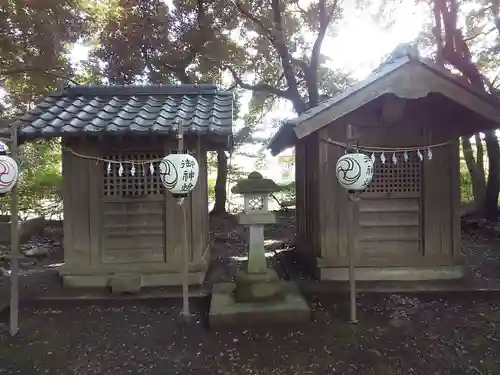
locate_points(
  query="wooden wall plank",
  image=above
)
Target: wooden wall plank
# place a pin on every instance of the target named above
(381, 233)
(301, 199)
(168, 248)
(390, 205)
(339, 198)
(455, 199)
(205, 224)
(197, 215)
(311, 224)
(436, 203)
(173, 216)
(389, 219)
(95, 186)
(137, 255)
(68, 201)
(388, 249)
(174, 236)
(79, 219)
(196, 202)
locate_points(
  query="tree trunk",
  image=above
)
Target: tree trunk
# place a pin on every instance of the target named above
(454, 49)
(220, 185)
(493, 184)
(475, 170)
(480, 152)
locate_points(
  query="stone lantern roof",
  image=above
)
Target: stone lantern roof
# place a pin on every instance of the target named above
(255, 184)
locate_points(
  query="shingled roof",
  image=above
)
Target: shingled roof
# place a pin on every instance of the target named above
(93, 110)
(394, 77)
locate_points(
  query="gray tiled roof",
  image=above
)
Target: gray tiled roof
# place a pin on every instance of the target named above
(130, 109)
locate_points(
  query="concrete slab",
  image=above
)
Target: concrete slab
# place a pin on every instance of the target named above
(258, 287)
(426, 286)
(224, 310)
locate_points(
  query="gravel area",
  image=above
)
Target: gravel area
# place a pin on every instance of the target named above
(397, 334)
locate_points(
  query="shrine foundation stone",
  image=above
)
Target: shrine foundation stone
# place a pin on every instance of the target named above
(225, 310)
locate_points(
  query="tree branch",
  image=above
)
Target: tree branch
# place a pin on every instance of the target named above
(488, 32)
(155, 75)
(258, 87)
(324, 20)
(437, 30)
(455, 49)
(286, 58)
(202, 38)
(248, 15)
(300, 9)
(302, 64)
(311, 74)
(36, 70)
(495, 5)
(178, 71)
(280, 78)
(276, 37)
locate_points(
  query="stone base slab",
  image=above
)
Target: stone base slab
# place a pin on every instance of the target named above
(120, 280)
(394, 273)
(224, 310)
(244, 277)
(258, 287)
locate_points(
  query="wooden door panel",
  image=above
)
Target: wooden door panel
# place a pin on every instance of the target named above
(133, 210)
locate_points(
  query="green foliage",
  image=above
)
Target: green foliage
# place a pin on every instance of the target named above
(34, 38)
(39, 188)
(288, 192)
(277, 57)
(465, 186)
(211, 189)
(148, 39)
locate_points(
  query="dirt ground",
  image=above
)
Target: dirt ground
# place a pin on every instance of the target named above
(427, 334)
(396, 335)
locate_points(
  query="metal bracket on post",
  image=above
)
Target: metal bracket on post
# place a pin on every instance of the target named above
(352, 216)
(185, 253)
(14, 242)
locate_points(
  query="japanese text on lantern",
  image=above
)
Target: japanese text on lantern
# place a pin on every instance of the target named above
(188, 175)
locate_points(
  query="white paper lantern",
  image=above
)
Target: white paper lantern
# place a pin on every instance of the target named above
(354, 171)
(179, 173)
(9, 173)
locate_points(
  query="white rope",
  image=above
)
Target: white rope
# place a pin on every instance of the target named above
(386, 149)
(98, 158)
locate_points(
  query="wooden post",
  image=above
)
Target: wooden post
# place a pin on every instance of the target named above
(185, 239)
(14, 244)
(352, 217)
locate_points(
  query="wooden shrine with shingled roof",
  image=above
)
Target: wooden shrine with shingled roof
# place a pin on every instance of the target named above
(121, 226)
(407, 115)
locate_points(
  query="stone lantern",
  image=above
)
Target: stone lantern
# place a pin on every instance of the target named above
(257, 282)
(257, 295)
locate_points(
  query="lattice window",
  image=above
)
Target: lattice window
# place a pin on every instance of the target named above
(256, 203)
(402, 177)
(144, 181)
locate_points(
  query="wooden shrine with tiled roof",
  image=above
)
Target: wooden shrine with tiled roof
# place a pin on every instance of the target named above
(120, 223)
(407, 116)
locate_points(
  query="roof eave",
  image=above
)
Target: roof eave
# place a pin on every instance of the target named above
(287, 135)
(406, 84)
(283, 139)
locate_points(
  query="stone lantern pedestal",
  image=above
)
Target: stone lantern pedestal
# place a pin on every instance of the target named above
(257, 295)
(256, 282)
